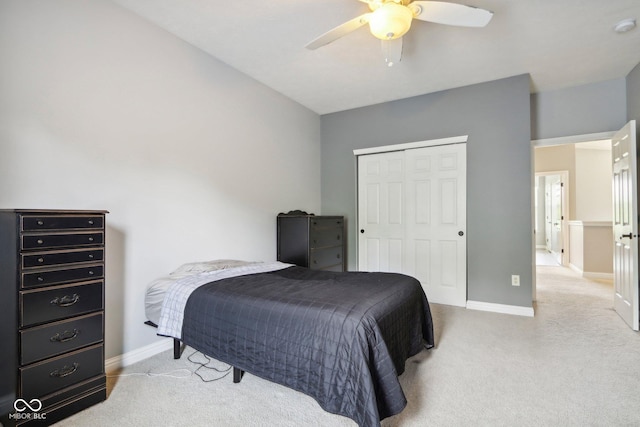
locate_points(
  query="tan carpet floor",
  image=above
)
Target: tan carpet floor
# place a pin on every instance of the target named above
(576, 363)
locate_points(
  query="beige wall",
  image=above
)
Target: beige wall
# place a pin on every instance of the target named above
(593, 184)
(591, 248)
(559, 158)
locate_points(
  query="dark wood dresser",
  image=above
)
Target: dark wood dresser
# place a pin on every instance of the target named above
(315, 242)
(52, 266)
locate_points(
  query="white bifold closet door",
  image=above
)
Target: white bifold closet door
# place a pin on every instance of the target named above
(412, 217)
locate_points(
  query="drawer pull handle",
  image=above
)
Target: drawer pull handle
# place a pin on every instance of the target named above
(91, 239)
(40, 279)
(40, 260)
(90, 256)
(40, 222)
(66, 371)
(65, 336)
(66, 300)
(40, 241)
(90, 222)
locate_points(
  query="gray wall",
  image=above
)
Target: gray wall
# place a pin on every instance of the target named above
(99, 109)
(633, 95)
(496, 116)
(580, 110)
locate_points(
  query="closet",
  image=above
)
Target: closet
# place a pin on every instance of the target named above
(412, 214)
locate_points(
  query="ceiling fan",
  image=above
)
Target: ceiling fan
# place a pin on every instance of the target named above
(389, 20)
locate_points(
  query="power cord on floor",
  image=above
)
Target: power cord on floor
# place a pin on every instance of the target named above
(187, 372)
(153, 374)
(210, 368)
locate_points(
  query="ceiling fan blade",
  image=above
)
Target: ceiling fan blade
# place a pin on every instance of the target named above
(339, 31)
(450, 13)
(373, 4)
(392, 51)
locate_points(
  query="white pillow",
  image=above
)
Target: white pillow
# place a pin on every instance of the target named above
(204, 266)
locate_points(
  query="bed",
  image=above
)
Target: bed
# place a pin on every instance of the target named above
(341, 338)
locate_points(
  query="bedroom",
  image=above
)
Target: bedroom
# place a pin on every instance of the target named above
(102, 110)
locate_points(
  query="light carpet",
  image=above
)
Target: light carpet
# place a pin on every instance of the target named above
(576, 363)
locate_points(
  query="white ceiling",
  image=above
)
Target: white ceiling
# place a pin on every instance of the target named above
(560, 43)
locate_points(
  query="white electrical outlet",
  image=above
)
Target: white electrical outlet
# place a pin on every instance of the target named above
(515, 280)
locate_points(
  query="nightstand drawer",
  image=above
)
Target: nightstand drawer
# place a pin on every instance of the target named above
(322, 258)
(60, 258)
(324, 238)
(54, 374)
(60, 302)
(61, 240)
(48, 340)
(53, 222)
(52, 277)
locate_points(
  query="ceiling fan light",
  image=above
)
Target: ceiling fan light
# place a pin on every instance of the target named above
(390, 21)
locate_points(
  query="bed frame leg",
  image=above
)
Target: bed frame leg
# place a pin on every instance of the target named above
(177, 348)
(237, 374)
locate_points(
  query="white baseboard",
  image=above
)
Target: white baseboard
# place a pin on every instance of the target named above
(500, 308)
(576, 269)
(591, 274)
(131, 357)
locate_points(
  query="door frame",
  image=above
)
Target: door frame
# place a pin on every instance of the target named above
(547, 142)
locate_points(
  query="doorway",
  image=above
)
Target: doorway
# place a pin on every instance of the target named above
(551, 217)
(572, 198)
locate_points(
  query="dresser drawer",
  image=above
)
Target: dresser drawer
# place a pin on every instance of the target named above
(322, 258)
(48, 340)
(61, 240)
(60, 302)
(322, 223)
(31, 279)
(61, 257)
(322, 238)
(55, 222)
(45, 377)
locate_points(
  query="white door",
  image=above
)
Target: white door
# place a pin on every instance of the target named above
(436, 221)
(380, 212)
(416, 223)
(625, 224)
(556, 187)
(548, 221)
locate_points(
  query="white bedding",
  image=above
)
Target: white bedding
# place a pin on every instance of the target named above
(167, 296)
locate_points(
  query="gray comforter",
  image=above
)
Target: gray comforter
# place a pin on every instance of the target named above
(341, 338)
